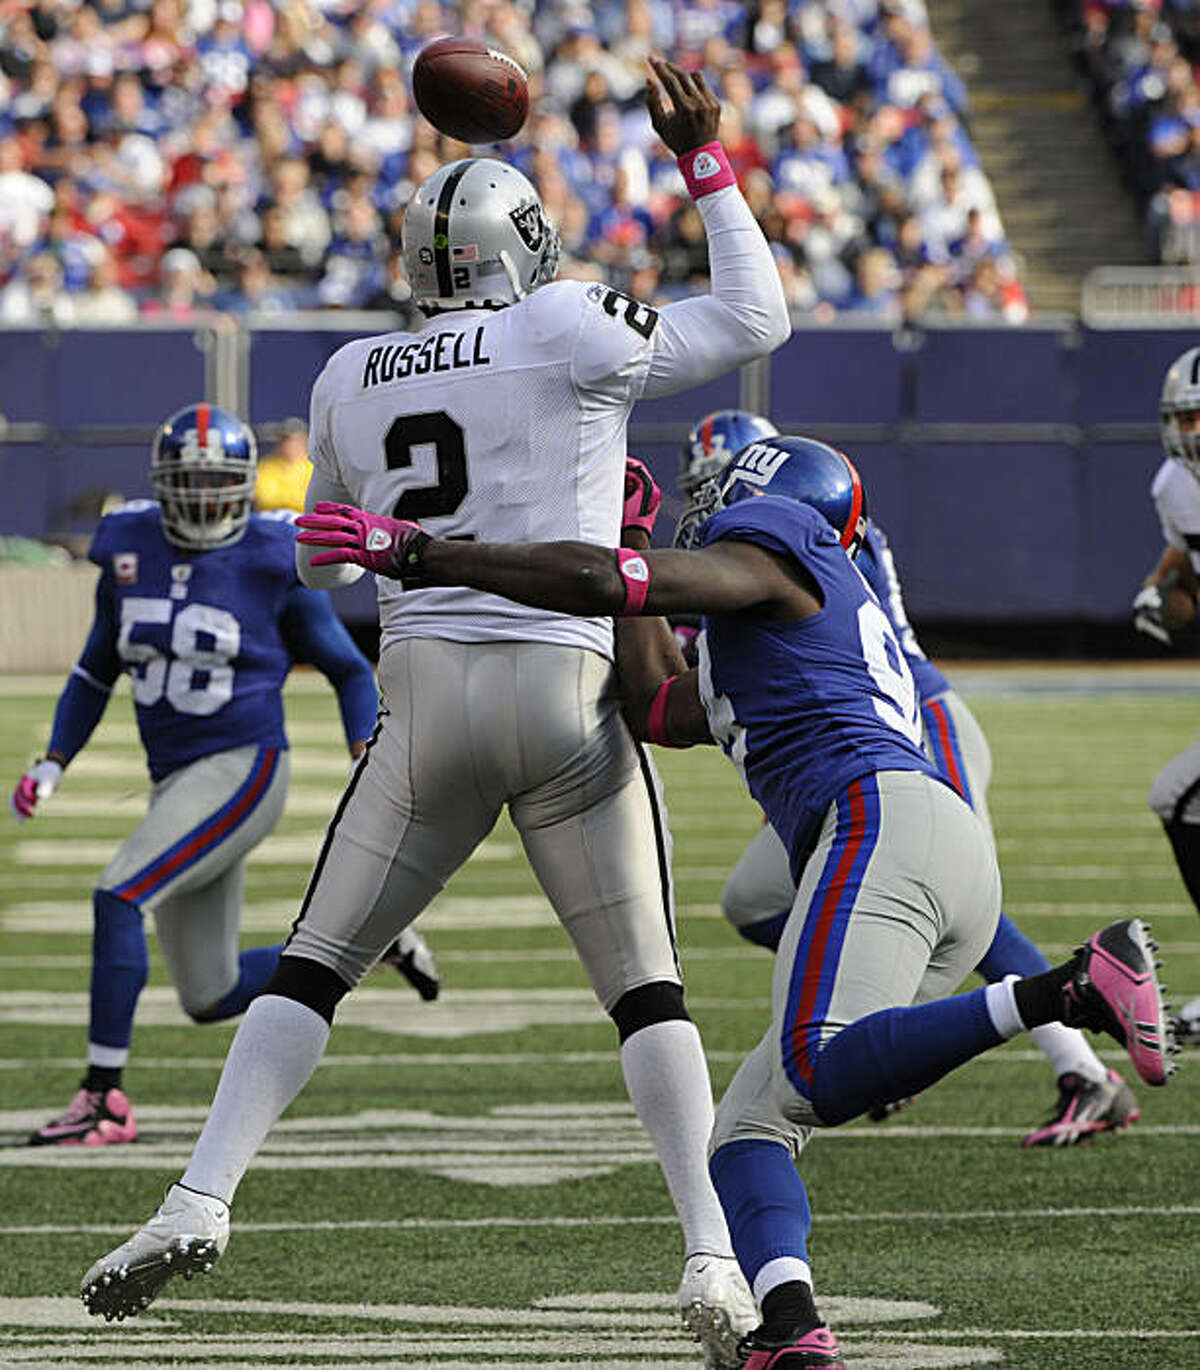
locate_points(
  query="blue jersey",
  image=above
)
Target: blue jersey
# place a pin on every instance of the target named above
(878, 566)
(805, 706)
(208, 639)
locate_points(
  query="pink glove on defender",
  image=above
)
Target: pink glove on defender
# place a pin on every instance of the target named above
(387, 546)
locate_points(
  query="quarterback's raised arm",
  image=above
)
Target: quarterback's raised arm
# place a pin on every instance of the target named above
(746, 315)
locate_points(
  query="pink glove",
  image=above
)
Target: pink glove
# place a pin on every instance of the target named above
(642, 497)
(39, 782)
(387, 546)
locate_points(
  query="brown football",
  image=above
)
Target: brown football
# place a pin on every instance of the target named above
(470, 91)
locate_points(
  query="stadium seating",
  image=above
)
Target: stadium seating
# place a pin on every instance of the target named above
(166, 159)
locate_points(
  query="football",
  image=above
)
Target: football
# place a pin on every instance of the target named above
(1179, 609)
(470, 91)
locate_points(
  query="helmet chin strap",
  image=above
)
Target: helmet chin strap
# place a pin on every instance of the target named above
(510, 271)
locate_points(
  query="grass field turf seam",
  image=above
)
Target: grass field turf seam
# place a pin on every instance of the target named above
(1053, 1273)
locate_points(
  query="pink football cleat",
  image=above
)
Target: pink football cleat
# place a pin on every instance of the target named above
(1114, 989)
(94, 1118)
(816, 1349)
(1085, 1108)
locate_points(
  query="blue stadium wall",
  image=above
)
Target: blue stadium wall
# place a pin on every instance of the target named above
(1011, 467)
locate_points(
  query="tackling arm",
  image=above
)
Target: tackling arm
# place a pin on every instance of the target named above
(583, 579)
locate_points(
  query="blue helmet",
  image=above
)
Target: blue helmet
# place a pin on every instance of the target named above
(801, 469)
(202, 468)
(714, 440)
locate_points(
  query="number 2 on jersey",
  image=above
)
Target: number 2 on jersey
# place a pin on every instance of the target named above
(438, 430)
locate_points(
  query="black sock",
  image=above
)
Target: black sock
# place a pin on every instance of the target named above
(1185, 843)
(103, 1078)
(790, 1308)
(1040, 997)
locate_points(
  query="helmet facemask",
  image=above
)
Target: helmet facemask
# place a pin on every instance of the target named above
(703, 502)
(206, 492)
(1179, 411)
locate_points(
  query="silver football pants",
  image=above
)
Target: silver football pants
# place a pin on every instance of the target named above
(465, 729)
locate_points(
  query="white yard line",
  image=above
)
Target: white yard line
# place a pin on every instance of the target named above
(1001, 1215)
(426, 1060)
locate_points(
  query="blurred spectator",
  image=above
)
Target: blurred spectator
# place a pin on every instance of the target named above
(37, 298)
(876, 290)
(254, 289)
(102, 301)
(284, 473)
(183, 287)
(24, 198)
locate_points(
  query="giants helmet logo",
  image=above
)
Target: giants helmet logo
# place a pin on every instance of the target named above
(758, 463)
(212, 449)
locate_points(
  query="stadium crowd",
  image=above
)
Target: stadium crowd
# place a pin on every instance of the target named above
(160, 158)
(1139, 57)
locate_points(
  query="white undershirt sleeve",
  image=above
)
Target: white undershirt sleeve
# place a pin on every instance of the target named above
(323, 487)
(745, 316)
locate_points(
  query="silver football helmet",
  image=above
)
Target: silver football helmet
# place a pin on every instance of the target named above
(1180, 396)
(475, 236)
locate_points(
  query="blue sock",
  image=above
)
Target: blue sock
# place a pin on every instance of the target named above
(255, 968)
(767, 931)
(897, 1052)
(765, 1202)
(120, 968)
(1011, 953)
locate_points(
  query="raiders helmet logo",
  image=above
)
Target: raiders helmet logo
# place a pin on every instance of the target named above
(527, 220)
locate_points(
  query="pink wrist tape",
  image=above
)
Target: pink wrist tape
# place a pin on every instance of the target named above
(706, 169)
(656, 724)
(635, 573)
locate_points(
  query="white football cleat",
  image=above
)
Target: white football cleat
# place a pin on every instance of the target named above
(717, 1308)
(1187, 1023)
(185, 1237)
(411, 956)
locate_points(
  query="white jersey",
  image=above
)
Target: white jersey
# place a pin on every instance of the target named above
(509, 425)
(1176, 495)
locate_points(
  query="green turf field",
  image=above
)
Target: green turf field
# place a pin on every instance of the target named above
(464, 1184)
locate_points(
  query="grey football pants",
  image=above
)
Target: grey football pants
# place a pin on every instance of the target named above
(896, 905)
(761, 883)
(466, 729)
(185, 863)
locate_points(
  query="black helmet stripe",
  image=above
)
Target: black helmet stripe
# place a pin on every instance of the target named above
(1196, 369)
(441, 228)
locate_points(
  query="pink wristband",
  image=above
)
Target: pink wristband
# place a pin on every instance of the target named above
(705, 169)
(633, 570)
(656, 724)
